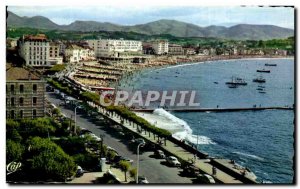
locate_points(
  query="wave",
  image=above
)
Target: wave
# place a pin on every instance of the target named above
(249, 155)
(178, 127)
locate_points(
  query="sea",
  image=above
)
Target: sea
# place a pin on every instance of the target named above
(262, 141)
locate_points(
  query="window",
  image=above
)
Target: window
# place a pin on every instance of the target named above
(21, 88)
(34, 88)
(34, 100)
(12, 114)
(21, 113)
(34, 113)
(12, 101)
(12, 88)
(21, 101)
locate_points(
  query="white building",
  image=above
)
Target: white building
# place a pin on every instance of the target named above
(35, 50)
(160, 46)
(75, 53)
(114, 48)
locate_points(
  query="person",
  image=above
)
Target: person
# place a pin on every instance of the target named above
(214, 170)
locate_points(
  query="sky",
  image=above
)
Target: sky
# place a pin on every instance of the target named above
(131, 15)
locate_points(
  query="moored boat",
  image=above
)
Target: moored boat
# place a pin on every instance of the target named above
(236, 81)
(259, 80)
(264, 71)
(270, 64)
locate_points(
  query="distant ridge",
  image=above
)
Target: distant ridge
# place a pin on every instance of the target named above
(172, 27)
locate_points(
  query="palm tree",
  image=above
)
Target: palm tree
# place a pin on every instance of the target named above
(124, 166)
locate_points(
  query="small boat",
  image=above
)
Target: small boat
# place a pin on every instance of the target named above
(270, 64)
(261, 86)
(259, 89)
(232, 86)
(216, 82)
(259, 80)
(264, 71)
(236, 81)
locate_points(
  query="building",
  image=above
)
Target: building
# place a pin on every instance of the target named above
(115, 48)
(189, 51)
(160, 46)
(35, 50)
(174, 49)
(25, 93)
(54, 57)
(75, 53)
(11, 42)
(204, 52)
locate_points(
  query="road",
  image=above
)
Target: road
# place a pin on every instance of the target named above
(153, 169)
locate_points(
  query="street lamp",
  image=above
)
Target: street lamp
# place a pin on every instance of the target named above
(137, 165)
(78, 106)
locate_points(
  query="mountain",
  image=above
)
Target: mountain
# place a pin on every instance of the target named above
(172, 27)
(33, 22)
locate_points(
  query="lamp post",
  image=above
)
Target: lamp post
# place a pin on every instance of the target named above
(137, 164)
(78, 106)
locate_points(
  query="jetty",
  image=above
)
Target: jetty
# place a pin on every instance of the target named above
(215, 109)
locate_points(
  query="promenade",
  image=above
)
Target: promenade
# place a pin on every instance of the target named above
(203, 164)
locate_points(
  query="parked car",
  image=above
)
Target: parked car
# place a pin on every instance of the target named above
(84, 131)
(140, 141)
(56, 91)
(62, 95)
(173, 161)
(79, 171)
(191, 171)
(119, 158)
(111, 149)
(143, 180)
(148, 147)
(206, 179)
(159, 154)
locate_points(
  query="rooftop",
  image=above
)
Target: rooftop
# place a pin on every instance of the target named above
(19, 73)
(38, 37)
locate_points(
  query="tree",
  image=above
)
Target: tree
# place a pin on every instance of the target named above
(56, 112)
(133, 173)
(38, 127)
(111, 155)
(124, 166)
(49, 159)
(14, 151)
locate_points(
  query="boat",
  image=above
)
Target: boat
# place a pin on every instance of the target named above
(236, 81)
(259, 80)
(261, 86)
(232, 85)
(270, 64)
(264, 71)
(216, 82)
(259, 89)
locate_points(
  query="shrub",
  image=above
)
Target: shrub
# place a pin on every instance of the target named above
(14, 151)
(50, 159)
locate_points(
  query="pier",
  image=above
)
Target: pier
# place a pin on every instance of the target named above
(185, 109)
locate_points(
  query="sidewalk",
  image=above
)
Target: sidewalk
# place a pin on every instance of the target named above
(91, 177)
(203, 165)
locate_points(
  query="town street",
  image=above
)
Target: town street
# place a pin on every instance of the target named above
(150, 167)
